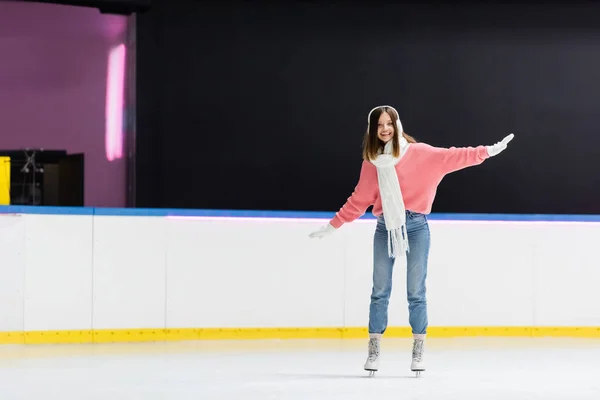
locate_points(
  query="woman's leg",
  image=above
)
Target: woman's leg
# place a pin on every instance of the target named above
(380, 295)
(383, 267)
(416, 275)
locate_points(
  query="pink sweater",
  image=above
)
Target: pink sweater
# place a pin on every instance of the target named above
(420, 171)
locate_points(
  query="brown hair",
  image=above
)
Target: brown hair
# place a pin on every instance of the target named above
(372, 144)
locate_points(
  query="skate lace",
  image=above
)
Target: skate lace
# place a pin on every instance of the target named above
(373, 349)
(417, 350)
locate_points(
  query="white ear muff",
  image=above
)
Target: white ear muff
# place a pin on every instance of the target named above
(398, 123)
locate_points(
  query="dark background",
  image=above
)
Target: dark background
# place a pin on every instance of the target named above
(262, 105)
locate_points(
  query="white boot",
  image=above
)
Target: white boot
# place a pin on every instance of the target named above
(418, 364)
(372, 363)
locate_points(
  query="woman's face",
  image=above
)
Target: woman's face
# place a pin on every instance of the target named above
(385, 128)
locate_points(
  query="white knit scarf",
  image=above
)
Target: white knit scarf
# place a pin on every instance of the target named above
(392, 202)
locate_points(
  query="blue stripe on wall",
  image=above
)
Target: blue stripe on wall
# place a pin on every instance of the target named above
(47, 210)
(159, 212)
(163, 212)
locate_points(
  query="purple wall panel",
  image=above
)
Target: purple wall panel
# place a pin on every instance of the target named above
(53, 80)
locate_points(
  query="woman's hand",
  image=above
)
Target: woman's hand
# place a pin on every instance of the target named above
(322, 232)
(500, 146)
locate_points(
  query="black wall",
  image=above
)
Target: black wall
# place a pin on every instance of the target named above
(260, 105)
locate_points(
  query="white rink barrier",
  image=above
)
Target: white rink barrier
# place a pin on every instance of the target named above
(79, 272)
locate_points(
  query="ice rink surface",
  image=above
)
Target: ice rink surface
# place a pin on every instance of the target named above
(461, 369)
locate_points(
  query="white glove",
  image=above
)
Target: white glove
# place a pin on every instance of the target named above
(500, 146)
(322, 232)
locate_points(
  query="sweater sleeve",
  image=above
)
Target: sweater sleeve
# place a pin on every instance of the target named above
(452, 159)
(363, 196)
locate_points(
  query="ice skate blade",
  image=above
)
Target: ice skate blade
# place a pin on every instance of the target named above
(371, 372)
(417, 372)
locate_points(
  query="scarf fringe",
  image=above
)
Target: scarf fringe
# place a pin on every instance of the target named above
(397, 241)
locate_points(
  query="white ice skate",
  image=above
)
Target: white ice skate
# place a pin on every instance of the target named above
(418, 364)
(372, 363)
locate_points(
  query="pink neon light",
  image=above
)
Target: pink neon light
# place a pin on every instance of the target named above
(372, 221)
(248, 219)
(115, 84)
(493, 222)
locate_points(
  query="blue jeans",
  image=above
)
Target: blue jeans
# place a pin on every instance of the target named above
(417, 229)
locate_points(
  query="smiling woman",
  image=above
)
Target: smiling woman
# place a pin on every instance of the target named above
(400, 178)
(383, 124)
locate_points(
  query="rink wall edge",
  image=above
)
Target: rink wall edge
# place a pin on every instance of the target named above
(90, 275)
(272, 214)
(164, 335)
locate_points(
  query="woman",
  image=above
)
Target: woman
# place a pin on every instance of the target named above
(399, 177)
